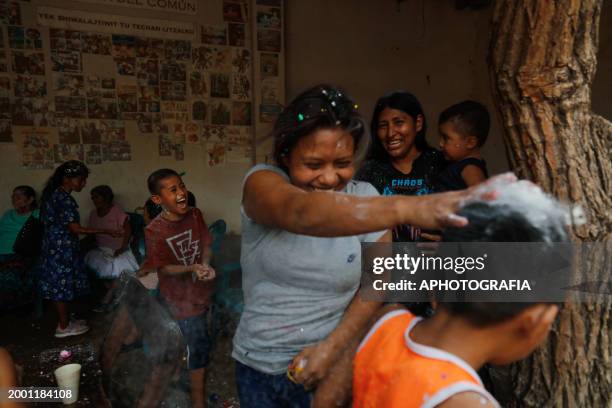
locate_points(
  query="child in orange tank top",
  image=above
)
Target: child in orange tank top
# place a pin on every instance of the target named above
(407, 361)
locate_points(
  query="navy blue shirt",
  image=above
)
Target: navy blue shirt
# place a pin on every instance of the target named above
(390, 181)
(450, 178)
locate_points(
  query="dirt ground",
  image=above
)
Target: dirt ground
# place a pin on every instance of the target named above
(30, 341)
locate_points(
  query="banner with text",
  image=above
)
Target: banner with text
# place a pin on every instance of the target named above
(172, 6)
(105, 23)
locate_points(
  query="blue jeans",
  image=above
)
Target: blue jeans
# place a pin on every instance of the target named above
(260, 390)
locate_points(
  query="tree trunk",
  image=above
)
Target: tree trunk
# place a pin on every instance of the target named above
(542, 64)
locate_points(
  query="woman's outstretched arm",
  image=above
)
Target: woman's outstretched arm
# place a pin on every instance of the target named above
(271, 200)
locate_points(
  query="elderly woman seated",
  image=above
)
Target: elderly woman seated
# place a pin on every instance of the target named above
(19, 248)
(111, 255)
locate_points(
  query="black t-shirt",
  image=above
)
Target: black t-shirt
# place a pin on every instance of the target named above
(450, 178)
(390, 181)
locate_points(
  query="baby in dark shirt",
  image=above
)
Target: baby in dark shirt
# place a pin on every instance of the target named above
(463, 130)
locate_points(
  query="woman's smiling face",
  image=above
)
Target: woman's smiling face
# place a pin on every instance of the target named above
(397, 131)
(323, 160)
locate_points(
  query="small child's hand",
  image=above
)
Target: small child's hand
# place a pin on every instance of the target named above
(143, 272)
(204, 272)
(119, 251)
(115, 233)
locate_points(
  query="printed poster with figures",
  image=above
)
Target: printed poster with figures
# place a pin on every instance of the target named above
(269, 90)
(216, 153)
(239, 145)
(37, 151)
(81, 76)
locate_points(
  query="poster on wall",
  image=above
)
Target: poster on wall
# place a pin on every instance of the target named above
(199, 110)
(268, 113)
(220, 112)
(215, 152)
(237, 34)
(3, 60)
(198, 83)
(179, 152)
(192, 133)
(94, 43)
(10, 12)
(65, 152)
(69, 131)
(30, 86)
(93, 154)
(31, 112)
(5, 108)
(241, 62)
(147, 72)
(270, 91)
(24, 38)
(68, 84)
(149, 48)
(6, 131)
(214, 35)
(269, 17)
(269, 40)
(213, 133)
(268, 64)
(84, 73)
(241, 88)
(241, 113)
(234, 12)
(66, 61)
(119, 151)
(36, 149)
(165, 145)
(239, 145)
(5, 87)
(28, 62)
(113, 24)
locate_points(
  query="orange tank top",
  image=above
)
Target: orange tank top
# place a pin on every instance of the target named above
(391, 370)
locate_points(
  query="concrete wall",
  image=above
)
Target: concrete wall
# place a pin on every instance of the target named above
(217, 189)
(425, 47)
(369, 47)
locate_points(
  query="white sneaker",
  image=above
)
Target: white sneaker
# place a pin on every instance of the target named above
(73, 329)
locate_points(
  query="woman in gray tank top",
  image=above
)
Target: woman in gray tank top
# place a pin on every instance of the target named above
(303, 222)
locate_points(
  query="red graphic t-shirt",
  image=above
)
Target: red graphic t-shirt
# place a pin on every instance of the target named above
(180, 243)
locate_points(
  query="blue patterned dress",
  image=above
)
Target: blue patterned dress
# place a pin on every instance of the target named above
(63, 276)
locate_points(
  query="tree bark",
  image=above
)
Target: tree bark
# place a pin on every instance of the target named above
(542, 61)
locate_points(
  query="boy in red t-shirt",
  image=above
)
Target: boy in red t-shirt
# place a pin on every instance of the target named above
(178, 245)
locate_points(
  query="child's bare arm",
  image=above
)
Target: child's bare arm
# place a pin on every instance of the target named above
(127, 236)
(144, 271)
(177, 269)
(207, 255)
(201, 272)
(472, 175)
